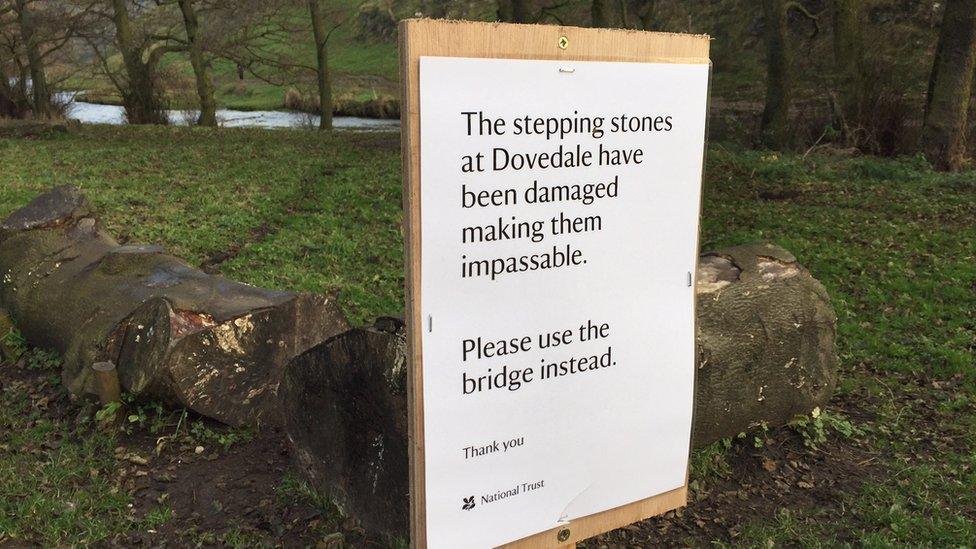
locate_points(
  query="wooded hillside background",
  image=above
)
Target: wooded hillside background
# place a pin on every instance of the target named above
(883, 77)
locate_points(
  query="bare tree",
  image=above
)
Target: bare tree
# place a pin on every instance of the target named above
(255, 46)
(13, 104)
(141, 55)
(950, 85)
(40, 92)
(145, 31)
(200, 63)
(643, 9)
(322, 77)
(33, 34)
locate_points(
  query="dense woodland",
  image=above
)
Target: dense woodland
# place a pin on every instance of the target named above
(884, 77)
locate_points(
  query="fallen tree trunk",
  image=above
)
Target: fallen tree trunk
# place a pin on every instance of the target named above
(765, 353)
(18, 128)
(176, 334)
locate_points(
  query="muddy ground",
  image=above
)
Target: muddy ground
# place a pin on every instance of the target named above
(234, 491)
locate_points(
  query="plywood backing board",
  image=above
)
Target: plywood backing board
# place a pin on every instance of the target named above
(425, 37)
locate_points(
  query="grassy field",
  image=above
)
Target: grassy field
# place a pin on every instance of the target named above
(891, 461)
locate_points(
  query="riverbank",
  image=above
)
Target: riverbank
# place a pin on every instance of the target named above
(94, 113)
(890, 461)
(386, 107)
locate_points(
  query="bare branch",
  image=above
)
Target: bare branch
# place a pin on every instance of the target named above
(806, 13)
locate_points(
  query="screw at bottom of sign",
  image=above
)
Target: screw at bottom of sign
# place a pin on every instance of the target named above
(563, 534)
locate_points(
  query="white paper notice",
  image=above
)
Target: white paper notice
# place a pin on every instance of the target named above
(559, 207)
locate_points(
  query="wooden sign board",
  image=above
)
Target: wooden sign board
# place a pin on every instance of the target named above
(552, 195)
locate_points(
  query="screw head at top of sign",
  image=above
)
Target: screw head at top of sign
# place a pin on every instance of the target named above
(563, 42)
(563, 534)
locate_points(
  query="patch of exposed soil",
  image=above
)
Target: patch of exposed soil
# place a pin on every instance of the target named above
(213, 493)
(212, 264)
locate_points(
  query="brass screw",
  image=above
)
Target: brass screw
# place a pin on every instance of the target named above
(563, 535)
(563, 42)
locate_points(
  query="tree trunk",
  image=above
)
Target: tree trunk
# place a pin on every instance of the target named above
(774, 129)
(40, 91)
(514, 11)
(22, 91)
(8, 103)
(322, 76)
(176, 334)
(848, 56)
(201, 66)
(600, 14)
(947, 104)
(344, 405)
(765, 346)
(645, 12)
(521, 11)
(8, 109)
(140, 96)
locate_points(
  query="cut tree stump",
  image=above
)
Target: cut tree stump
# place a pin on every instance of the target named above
(765, 354)
(175, 333)
(766, 341)
(107, 383)
(344, 404)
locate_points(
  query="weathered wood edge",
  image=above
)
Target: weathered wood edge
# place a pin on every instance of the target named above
(409, 137)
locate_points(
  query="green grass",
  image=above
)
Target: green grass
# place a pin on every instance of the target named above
(57, 478)
(895, 246)
(892, 241)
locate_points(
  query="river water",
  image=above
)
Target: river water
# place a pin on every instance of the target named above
(91, 113)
